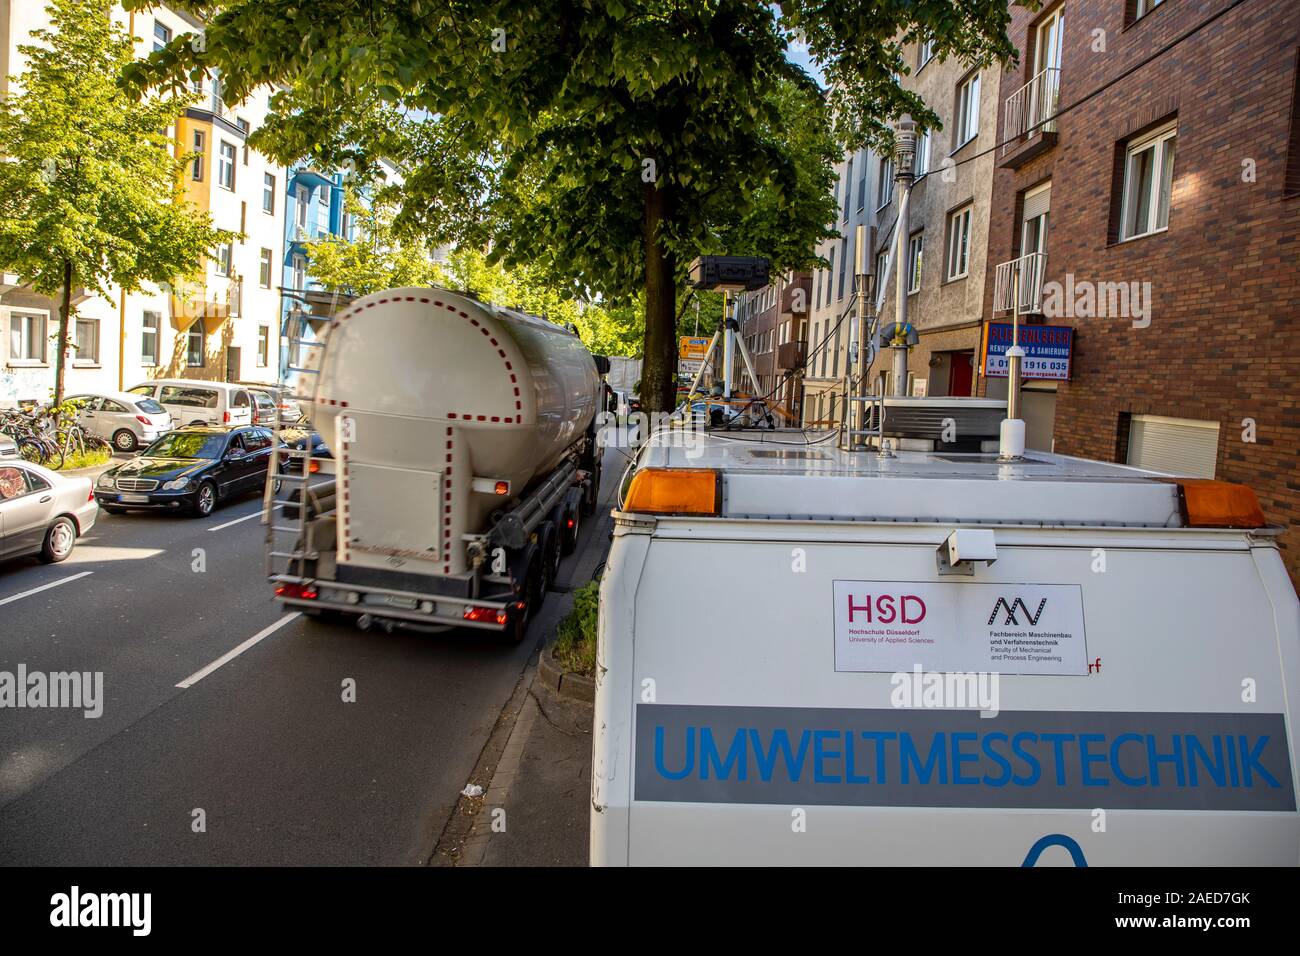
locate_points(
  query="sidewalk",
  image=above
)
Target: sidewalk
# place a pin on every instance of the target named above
(535, 811)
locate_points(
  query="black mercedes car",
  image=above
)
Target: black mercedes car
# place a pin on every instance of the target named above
(190, 469)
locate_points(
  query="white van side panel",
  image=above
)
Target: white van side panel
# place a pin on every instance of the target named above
(1195, 639)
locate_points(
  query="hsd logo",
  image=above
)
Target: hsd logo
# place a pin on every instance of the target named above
(1011, 611)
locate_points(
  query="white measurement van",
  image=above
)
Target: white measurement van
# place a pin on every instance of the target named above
(783, 623)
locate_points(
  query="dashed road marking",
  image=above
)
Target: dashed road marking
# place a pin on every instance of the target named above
(235, 652)
(44, 587)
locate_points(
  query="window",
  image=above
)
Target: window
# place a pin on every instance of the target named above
(27, 336)
(830, 273)
(885, 187)
(243, 128)
(224, 253)
(915, 251)
(200, 145)
(263, 345)
(268, 194)
(161, 35)
(217, 106)
(848, 187)
(959, 243)
(299, 273)
(925, 53)
(226, 166)
(882, 270)
(862, 184)
(86, 341)
(1144, 7)
(264, 270)
(844, 266)
(194, 356)
(300, 212)
(922, 163)
(150, 323)
(1178, 446)
(968, 109)
(1148, 181)
(323, 197)
(188, 395)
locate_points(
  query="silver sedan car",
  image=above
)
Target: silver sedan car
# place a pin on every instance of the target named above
(42, 512)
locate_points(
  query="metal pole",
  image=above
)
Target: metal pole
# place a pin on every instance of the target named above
(904, 153)
(1014, 353)
(729, 345)
(863, 364)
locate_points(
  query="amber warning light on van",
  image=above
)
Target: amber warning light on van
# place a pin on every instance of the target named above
(1218, 504)
(675, 491)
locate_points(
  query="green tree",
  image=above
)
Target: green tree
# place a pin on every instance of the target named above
(626, 136)
(88, 183)
(378, 257)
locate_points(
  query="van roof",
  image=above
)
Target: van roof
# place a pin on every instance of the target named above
(795, 474)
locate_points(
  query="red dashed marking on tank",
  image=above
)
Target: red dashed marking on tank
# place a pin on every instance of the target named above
(496, 418)
(424, 300)
(516, 391)
(501, 352)
(343, 404)
(513, 380)
(463, 315)
(451, 414)
(474, 322)
(482, 418)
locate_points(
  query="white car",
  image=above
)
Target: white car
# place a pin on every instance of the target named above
(204, 403)
(41, 512)
(125, 420)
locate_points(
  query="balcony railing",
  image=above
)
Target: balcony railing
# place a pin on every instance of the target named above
(790, 355)
(1030, 109)
(1029, 298)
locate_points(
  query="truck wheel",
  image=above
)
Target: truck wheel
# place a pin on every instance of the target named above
(517, 629)
(548, 558)
(591, 495)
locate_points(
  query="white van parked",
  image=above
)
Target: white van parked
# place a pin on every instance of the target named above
(814, 656)
(207, 403)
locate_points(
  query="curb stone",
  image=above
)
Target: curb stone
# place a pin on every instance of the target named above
(574, 686)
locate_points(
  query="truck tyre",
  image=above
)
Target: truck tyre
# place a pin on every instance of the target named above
(569, 538)
(548, 558)
(591, 494)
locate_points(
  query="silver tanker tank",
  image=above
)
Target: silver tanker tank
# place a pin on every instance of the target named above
(422, 391)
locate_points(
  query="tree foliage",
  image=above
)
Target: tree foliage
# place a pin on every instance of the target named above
(605, 143)
(88, 178)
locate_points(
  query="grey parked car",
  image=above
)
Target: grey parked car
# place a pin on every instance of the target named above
(41, 512)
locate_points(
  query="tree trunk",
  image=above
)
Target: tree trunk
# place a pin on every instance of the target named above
(658, 390)
(61, 346)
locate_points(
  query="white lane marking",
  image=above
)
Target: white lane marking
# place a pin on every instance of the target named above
(44, 587)
(232, 654)
(218, 527)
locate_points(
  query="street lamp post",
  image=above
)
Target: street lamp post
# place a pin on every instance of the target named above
(904, 155)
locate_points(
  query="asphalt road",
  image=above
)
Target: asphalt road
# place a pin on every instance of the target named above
(282, 768)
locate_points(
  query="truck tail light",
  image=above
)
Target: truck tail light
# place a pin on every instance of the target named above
(313, 467)
(487, 615)
(225, 416)
(1218, 504)
(305, 592)
(675, 491)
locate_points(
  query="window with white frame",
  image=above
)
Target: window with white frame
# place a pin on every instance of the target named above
(299, 272)
(959, 224)
(268, 194)
(885, 187)
(915, 252)
(86, 342)
(264, 269)
(150, 323)
(862, 183)
(300, 209)
(226, 166)
(162, 35)
(882, 269)
(1148, 182)
(224, 254)
(922, 163)
(263, 345)
(925, 53)
(194, 355)
(848, 188)
(200, 146)
(968, 109)
(27, 336)
(1144, 7)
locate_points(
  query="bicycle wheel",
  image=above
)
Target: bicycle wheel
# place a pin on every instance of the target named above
(52, 454)
(30, 449)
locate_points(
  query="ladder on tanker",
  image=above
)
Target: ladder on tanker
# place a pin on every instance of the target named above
(302, 382)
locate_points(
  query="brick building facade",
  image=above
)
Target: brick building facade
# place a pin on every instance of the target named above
(1177, 175)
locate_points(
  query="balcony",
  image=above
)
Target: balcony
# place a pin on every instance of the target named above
(1029, 127)
(1029, 296)
(790, 355)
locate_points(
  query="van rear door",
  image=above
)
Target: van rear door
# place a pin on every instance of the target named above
(774, 698)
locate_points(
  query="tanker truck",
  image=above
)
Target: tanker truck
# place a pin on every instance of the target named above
(464, 456)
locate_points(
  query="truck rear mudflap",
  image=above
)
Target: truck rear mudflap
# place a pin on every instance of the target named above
(1090, 696)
